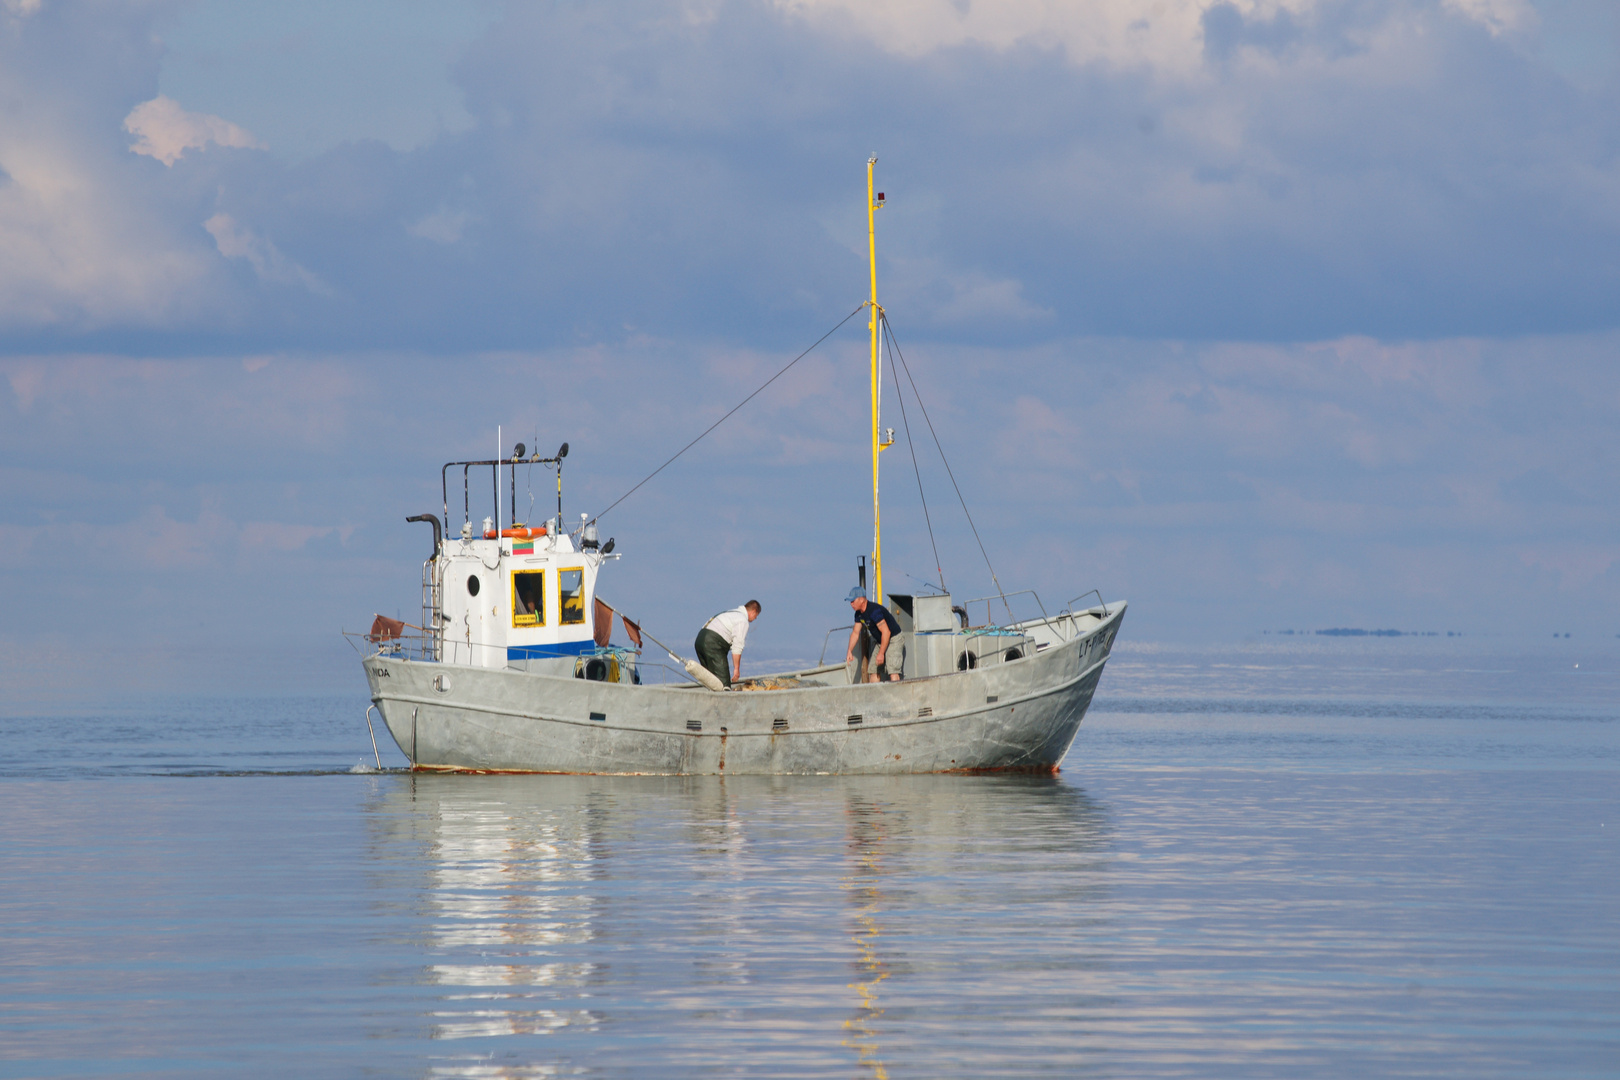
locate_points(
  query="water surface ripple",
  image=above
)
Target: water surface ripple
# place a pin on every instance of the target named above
(1223, 892)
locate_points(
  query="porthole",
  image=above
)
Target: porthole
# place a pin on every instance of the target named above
(472, 585)
(1013, 654)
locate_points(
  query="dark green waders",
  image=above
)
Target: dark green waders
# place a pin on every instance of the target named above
(713, 653)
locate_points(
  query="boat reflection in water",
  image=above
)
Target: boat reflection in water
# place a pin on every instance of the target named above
(517, 887)
(507, 907)
(688, 924)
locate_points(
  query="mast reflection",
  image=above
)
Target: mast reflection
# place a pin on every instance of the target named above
(866, 848)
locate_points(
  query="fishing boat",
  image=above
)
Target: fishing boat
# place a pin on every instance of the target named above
(512, 668)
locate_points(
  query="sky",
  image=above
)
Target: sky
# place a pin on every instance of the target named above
(1261, 314)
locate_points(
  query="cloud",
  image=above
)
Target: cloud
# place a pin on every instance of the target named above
(1497, 16)
(443, 226)
(76, 251)
(1577, 566)
(279, 535)
(1165, 36)
(1347, 482)
(1170, 37)
(86, 241)
(235, 241)
(165, 131)
(1291, 170)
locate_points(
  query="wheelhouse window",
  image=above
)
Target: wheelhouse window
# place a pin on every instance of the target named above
(571, 596)
(529, 598)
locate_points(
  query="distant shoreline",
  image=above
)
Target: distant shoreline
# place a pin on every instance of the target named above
(1356, 631)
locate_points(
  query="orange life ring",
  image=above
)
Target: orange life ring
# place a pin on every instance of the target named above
(521, 532)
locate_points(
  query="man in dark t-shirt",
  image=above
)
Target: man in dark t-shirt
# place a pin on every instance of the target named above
(882, 628)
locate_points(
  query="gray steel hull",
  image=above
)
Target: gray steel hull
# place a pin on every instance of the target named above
(1020, 715)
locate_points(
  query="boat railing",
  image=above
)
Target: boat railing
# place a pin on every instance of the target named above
(828, 640)
(1062, 624)
(425, 646)
(990, 626)
(1069, 607)
(406, 646)
(989, 605)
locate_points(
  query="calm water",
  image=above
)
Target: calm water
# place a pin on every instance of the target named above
(1294, 860)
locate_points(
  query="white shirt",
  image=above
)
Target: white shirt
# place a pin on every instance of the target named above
(731, 625)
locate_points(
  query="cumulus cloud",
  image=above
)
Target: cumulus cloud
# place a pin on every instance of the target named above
(1285, 169)
(1115, 31)
(165, 131)
(1167, 37)
(76, 249)
(1498, 16)
(236, 241)
(87, 243)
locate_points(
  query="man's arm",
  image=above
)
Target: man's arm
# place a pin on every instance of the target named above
(736, 666)
(854, 636)
(883, 643)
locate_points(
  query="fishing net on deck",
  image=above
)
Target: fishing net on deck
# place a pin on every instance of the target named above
(771, 682)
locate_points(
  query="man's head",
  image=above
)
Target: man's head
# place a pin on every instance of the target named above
(752, 607)
(857, 598)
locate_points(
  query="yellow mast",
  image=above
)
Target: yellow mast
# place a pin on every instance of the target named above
(872, 204)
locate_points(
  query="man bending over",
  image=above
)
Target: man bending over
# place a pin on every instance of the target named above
(725, 632)
(882, 628)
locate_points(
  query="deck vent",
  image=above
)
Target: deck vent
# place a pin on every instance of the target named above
(926, 710)
(599, 716)
(779, 724)
(992, 699)
(694, 725)
(855, 719)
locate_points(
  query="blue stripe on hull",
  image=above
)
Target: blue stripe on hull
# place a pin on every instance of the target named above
(560, 648)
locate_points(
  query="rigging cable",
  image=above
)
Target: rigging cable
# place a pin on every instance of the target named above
(912, 446)
(894, 346)
(726, 417)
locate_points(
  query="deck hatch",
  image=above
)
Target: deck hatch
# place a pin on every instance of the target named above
(694, 725)
(855, 719)
(599, 716)
(778, 724)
